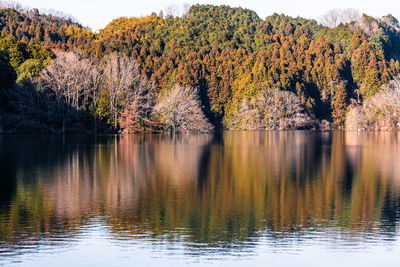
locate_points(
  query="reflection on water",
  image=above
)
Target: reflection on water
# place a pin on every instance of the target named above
(236, 195)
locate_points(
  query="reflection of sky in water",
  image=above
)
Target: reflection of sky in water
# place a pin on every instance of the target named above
(278, 198)
(96, 247)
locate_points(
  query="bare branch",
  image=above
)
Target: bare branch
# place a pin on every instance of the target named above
(380, 112)
(121, 76)
(179, 109)
(172, 11)
(73, 82)
(335, 17)
(271, 110)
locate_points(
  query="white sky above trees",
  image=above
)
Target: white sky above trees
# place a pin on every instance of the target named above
(96, 14)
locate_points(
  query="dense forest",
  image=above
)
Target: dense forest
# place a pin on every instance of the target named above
(214, 67)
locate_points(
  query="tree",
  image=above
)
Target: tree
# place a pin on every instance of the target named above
(135, 117)
(29, 69)
(7, 73)
(335, 17)
(172, 11)
(180, 111)
(247, 117)
(121, 77)
(272, 110)
(129, 119)
(379, 112)
(339, 105)
(229, 54)
(74, 83)
(186, 8)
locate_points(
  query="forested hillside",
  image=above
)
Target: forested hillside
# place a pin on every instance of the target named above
(231, 58)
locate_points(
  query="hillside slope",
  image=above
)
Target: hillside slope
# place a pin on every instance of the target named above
(232, 56)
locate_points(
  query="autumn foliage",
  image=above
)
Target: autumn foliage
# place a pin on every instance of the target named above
(230, 55)
(129, 119)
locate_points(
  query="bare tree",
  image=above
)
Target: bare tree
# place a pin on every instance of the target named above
(11, 4)
(57, 16)
(77, 85)
(129, 119)
(140, 103)
(350, 15)
(93, 90)
(331, 19)
(121, 76)
(271, 110)
(355, 119)
(185, 9)
(335, 17)
(172, 11)
(280, 109)
(179, 109)
(379, 112)
(247, 117)
(74, 83)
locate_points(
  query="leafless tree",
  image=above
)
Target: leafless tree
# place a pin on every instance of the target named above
(350, 15)
(121, 77)
(77, 85)
(185, 9)
(355, 119)
(247, 117)
(335, 17)
(180, 110)
(74, 83)
(272, 110)
(379, 112)
(136, 114)
(93, 90)
(384, 107)
(368, 26)
(11, 4)
(57, 15)
(172, 11)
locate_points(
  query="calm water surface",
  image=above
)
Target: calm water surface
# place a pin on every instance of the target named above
(231, 199)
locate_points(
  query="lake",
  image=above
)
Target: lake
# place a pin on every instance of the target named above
(284, 198)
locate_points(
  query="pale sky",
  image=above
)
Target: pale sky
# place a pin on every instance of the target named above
(96, 14)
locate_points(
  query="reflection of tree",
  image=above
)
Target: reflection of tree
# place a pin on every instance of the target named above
(375, 190)
(205, 190)
(28, 210)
